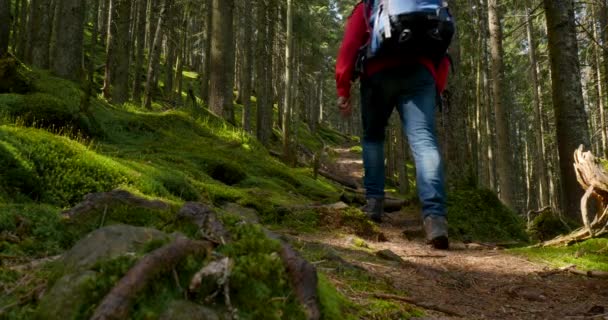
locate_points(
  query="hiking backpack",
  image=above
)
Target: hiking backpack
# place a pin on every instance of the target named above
(408, 28)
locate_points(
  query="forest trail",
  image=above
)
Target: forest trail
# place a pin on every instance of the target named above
(471, 281)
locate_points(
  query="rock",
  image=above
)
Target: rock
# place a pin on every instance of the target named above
(389, 255)
(66, 297)
(108, 243)
(248, 214)
(186, 310)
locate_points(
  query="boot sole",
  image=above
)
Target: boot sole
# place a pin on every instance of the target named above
(440, 243)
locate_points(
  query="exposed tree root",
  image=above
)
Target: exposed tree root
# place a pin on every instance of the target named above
(572, 269)
(303, 278)
(99, 201)
(117, 303)
(206, 219)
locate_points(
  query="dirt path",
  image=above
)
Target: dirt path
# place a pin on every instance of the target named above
(474, 282)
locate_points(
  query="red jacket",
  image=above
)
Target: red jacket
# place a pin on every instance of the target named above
(355, 36)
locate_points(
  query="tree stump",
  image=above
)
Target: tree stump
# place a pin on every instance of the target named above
(593, 177)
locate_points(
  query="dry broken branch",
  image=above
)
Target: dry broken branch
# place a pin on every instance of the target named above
(117, 303)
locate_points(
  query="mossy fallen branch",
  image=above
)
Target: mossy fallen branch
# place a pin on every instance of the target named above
(117, 303)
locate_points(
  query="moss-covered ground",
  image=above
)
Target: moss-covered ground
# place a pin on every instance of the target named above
(52, 154)
(589, 255)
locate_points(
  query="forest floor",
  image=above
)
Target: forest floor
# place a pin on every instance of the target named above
(470, 281)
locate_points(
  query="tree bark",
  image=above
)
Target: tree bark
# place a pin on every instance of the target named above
(68, 35)
(504, 163)
(21, 41)
(539, 155)
(140, 33)
(222, 60)
(5, 15)
(40, 26)
(207, 57)
(86, 100)
(264, 73)
(287, 106)
(247, 70)
(116, 82)
(154, 56)
(571, 121)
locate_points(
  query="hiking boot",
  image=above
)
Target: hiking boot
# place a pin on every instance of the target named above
(436, 229)
(374, 209)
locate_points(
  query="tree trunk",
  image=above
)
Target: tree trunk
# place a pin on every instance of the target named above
(568, 103)
(207, 62)
(86, 100)
(154, 56)
(21, 42)
(264, 73)
(287, 106)
(40, 26)
(66, 60)
(222, 60)
(601, 84)
(504, 163)
(140, 33)
(116, 82)
(539, 155)
(5, 15)
(247, 70)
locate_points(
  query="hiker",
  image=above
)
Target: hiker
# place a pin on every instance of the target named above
(399, 55)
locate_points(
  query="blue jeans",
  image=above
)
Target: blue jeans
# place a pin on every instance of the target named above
(412, 90)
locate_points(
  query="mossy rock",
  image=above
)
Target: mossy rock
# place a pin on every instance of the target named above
(12, 80)
(547, 226)
(478, 215)
(187, 310)
(67, 296)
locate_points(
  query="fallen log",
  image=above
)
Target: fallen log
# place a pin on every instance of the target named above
(118, 301)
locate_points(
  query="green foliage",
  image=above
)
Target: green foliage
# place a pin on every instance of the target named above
(61, 170)
(377, 309)
(479, 215)
(589, 255)
(547, 226)
(259, 275)
(39, 229)
(334, 306)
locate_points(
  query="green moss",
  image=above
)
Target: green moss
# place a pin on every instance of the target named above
(39, 229)
(383, 309)
(258, 275)
(356, 149)
(589, 255)
(334, 306)
(479, 215)
(547, 226)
